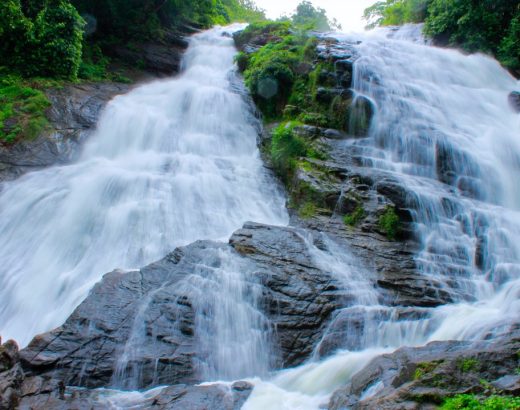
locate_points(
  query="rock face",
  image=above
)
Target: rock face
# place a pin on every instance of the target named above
(514, 100)
(420, 378)
(73, 115)
(22, 391)
(138, 329)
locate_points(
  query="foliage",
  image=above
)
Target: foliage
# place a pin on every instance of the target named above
(286, 148)
(424, 368)
(467, 365)
(283, 76)
(308, 17)
(148, 19)
(355, 216)
(22, 110)
(307, 210)
(471, 402)
(272, 71)
(395, 12)
(389, 222)
(45, 39)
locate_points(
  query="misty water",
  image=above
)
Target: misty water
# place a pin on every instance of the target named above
(175, 161)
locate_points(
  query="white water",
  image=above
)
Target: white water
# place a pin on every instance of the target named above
(184, 149)
(171, 162)
(431, 101)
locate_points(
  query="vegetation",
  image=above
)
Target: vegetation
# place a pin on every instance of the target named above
(355, 216)
(22, 110)
(389, 222)
(143, 19)
(471, 402)
(307, 210)
(286, 148)
(41, 38)
(308, 17)
(396, 12)
(467, 365)
(490, 26)
(425, 368)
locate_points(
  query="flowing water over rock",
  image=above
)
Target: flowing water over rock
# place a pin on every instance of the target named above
(443, 131)
(180, 156)
(171, 162)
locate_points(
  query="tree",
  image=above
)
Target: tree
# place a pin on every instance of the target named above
(45, 42)
(308, 17)
(396, 12)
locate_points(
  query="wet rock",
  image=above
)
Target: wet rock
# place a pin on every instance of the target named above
(420, 378)
(298, 296)
(360, 116)
(514, 100)
(211, 396)
(161, 59)
(326, 95)
(73, 115)
(137, 329)
(11, 375)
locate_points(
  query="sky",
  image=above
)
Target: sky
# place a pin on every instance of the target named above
(347, 12)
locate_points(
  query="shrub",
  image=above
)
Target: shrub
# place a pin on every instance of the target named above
(471, 402)
(286, 148)
(48, 44)
(355, 217)
(22, 110)
(389, 222)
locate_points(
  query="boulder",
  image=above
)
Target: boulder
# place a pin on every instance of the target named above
(422, 377)
(139, 329)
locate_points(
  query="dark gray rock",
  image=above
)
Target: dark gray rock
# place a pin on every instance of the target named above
(73, 115)
(421, 378)
(514, 100)
(213, 396)
(361, 112)
(151, 312)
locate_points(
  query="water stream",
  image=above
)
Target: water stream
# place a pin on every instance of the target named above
(175, 161)
(443, 129)
(171, 162)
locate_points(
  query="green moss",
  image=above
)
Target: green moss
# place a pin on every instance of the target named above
(355, 217)
(389, 222)
(307, 210)
(424, 368)
(22, 110)
(286, 148)
(472, 402)
(467, 365)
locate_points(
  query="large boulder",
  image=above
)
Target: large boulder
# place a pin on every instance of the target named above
(423, 377)
(139, 329)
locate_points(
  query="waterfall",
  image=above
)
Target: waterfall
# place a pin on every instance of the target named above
(444, 130)
(176, 161)
(171, 162)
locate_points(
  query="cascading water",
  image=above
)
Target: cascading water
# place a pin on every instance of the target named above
(176, 161)
(443, 129)
(171, 162)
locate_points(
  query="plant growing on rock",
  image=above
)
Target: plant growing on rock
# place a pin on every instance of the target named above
(355, 217)
(389, 223)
